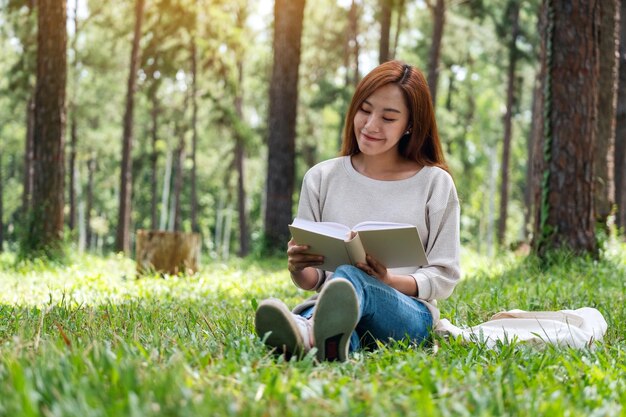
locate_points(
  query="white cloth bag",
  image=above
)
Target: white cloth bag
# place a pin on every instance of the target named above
(571, 328)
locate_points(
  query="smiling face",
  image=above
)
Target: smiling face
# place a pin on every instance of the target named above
(381, 121)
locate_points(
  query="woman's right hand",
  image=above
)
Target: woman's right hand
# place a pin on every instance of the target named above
(297, 259)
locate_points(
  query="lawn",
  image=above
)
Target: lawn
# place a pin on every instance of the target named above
(88, 339)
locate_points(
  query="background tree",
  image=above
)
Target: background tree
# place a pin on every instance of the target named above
(512, 26)
(438, 11)
(282, 120)
(566, 213)
(604, 190)
(386, 7)
(620, 129)
(45, 225)
(123, 227)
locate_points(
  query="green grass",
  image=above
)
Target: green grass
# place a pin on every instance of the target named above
(89, 339)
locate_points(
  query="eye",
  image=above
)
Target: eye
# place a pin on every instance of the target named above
(386, 119)
(364, 111)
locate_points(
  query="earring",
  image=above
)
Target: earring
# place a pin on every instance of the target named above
(407, 132)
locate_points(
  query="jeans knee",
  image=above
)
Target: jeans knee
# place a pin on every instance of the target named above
(347, 271)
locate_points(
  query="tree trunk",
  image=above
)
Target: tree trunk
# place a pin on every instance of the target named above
(45, 231)
(167, 252)
(194, 136)
(28, 155)
(400, 13)
(531, 185)
(282, 121)
(154, 159)
(566, 213)
(620, 134)
(72, 168)
(353, 42)
(178, 179)
(385, 30)
(607, 101)
(439, 18)
(1, 205)
(513, 20)
(122, 243)
(244, 241)
(165, 194)
(91, 170)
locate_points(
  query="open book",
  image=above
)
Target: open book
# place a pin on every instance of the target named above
(393, 244)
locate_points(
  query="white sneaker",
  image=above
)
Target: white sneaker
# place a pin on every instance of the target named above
(288, 333)
(335, 317)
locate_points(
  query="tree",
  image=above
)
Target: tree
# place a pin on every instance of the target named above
(620, 128)
(45, 224)
(570, 55)
(439, 17)
(607, 100)
(386, 7)
(288, 17)
(512, 21)
(122, 242)
(1, 207)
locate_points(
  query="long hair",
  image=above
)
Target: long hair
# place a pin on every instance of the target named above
(422, 144)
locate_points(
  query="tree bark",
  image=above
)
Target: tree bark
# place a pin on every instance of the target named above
(566, 213)
(1, 205)
(178, 179)
(194, 136)
(72, 169)
(620, 134)
(28, 155)
(45, 231)
(353, 42)
(282, 121)
(531, 184)
(154, 159)
(513, 20)
(244, 241)
(607, 101)
(91, 170)
(122, 243)
(439, 18)
(400, 13)
(386, 7)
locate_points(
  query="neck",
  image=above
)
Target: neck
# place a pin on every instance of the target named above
(390, 166)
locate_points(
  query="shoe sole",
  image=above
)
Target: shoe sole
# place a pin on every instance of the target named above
(273, 319)
(336, 315)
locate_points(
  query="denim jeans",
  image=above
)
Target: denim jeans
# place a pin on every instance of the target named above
(384, 312)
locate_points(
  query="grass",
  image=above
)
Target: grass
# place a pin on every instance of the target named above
(89, 339)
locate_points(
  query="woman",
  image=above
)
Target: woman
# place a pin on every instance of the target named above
(392, 169)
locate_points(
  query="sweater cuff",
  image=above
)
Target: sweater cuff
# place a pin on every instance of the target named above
(424, 289)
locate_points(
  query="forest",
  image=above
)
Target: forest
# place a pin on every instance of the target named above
(202, 116)
(125, 119)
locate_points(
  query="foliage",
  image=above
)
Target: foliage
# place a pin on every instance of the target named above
(88, 339)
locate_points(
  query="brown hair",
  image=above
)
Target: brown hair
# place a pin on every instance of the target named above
(422, 144)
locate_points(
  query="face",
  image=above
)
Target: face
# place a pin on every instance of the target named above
(381, 121)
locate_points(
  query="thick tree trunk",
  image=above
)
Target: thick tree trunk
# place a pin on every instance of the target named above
(353, 42)
(167, 252)
(386, 7)
(607, 101)
(513, 19)
(122, 243)
(620, 134)
(566, 213)
(531, 184)
(45, 231)
(282, 121)
(439, 18)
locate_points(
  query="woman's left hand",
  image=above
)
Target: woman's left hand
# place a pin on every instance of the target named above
(376, 269)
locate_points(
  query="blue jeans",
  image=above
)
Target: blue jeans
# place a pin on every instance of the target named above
(384, 312)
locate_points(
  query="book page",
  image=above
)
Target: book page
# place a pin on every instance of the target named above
(355, 250)
(395, 248)
(332, 248)
(335, 230)
(376, 225)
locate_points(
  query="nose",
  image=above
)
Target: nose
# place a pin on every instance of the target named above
(370, 124)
